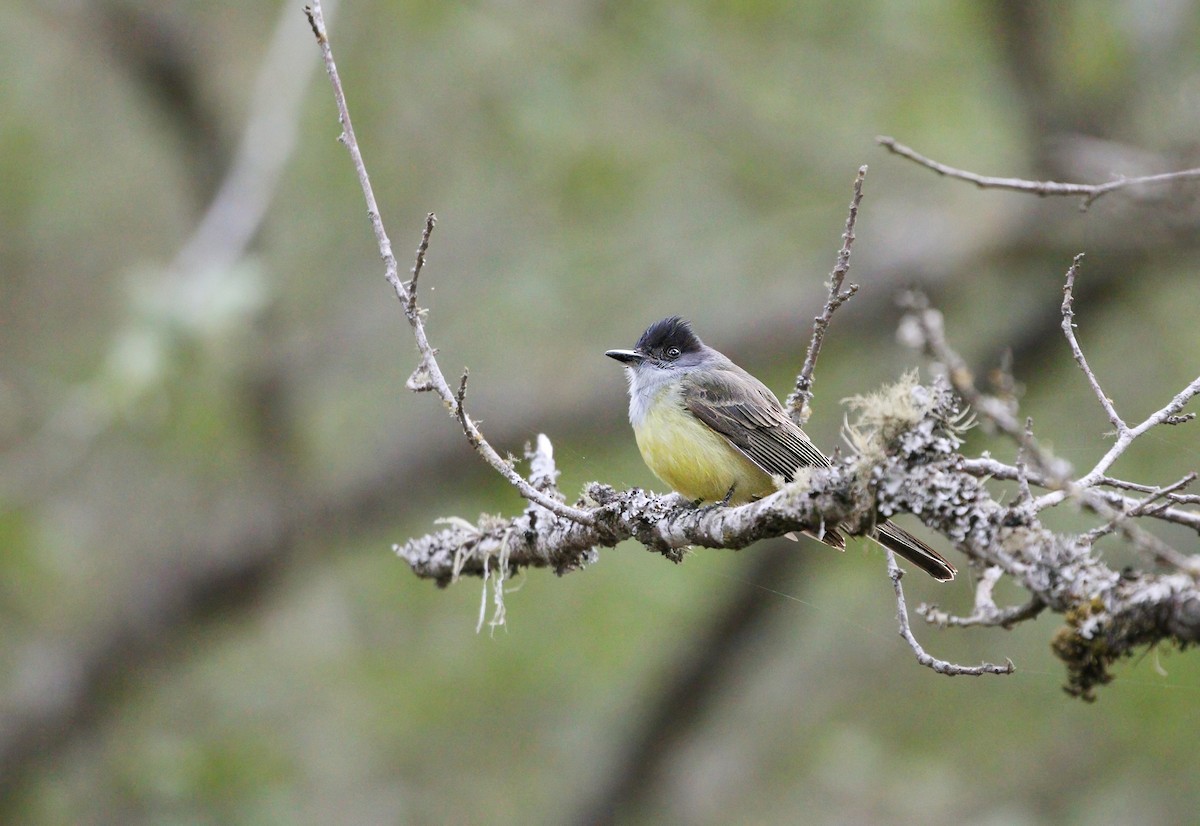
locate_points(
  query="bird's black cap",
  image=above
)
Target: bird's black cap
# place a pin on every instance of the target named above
(670, 332)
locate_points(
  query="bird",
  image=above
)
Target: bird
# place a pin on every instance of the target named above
(714, 433)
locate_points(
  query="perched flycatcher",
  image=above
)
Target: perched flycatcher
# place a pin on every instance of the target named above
(713, 432)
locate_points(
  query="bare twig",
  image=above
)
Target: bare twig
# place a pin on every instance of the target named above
(928, 660)
(419, 263)
(1005, 618)
(986, 612)
(1126, 434)
(928, 332)
(1182, 498)
(798, 401)
(1068, 328)
(1025, 493)
(992, 468)
(430, 373)
(1088, 192)
(1169, 414)
(1120, 520)
(1146, 506)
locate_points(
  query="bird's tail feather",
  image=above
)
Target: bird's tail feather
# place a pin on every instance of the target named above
(898, 541)
(914, 550)
(831, 537)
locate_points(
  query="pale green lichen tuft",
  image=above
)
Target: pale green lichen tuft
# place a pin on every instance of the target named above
(881, 416)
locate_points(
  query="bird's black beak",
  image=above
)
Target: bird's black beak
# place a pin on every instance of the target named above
(630, 357)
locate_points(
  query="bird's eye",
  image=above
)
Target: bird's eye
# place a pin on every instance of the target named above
(673, 352)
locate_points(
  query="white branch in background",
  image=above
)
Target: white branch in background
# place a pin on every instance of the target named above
(240, 205)
(204, 291)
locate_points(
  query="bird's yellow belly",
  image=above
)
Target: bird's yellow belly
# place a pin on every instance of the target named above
(695, 460)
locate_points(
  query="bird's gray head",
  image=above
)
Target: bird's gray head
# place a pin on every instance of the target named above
(662, 360)
(666, 352)
(668, 345)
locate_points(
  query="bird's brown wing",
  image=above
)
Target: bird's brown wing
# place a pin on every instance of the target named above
(742, 409)
(747, 414)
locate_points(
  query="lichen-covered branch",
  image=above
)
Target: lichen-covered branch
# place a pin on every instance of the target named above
(664, 524)
(1108, 614)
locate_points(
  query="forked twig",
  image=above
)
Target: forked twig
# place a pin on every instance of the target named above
(928, 660)
(986, 612)
(927, 326)
(1169, 414)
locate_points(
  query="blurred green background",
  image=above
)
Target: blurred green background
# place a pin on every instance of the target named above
(208, 449)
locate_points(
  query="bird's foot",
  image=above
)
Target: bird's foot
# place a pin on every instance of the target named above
(712, 506)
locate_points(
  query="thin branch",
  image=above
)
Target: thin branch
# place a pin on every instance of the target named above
(798, 401)
(1025, 492)
(1140, 509)
(986, 612)
(1068, 328)
(928, 660)
(419, 263)
(986, 467)
(1003, 617)
(1121, 521)
(1118, 512)
(1181, 498)
(923, 328)
(431, 375)
(1125, 438)
(316, 19)
(1090, 193)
